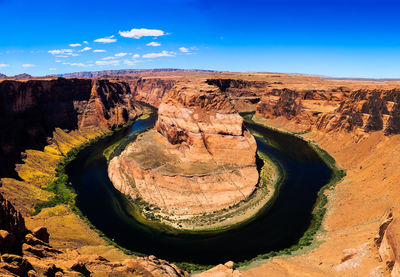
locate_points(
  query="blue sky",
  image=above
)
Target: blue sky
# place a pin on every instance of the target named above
(337, 38)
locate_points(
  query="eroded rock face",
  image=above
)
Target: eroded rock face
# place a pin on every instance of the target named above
(27, 253)
(31, 110)
(201, 159)
(12, 228)
(150, 90)
(364, 110)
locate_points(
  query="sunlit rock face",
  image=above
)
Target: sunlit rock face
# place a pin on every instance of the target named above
(200, 157)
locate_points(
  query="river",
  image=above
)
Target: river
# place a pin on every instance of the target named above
(276, 229)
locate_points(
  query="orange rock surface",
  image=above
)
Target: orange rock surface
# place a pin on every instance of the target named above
(201, 160)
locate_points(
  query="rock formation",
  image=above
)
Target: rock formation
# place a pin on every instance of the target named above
(28, 253)
(17, 243)
(363, 110)
(202, 158)
(31, 110)
(150, 90)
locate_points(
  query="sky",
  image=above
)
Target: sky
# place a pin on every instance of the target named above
(353, 38)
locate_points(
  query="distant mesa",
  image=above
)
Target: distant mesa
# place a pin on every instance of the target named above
(16, 77)
(95, 74)
(22, 76)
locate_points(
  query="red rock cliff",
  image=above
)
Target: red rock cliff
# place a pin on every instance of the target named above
(31, 110)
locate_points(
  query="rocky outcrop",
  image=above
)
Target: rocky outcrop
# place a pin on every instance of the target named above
(304, 107)
(12, 228)
(364, 110)
(201, 119)
(28, 253)
(17, 243)
(221, 270)
(31, 110)
(243, 94)
(2, 76)
(201, 160)
(388, 244)
(150, 90)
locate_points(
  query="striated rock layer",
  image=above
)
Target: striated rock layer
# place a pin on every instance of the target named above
(361, 110)
(31, 110)
(201, 159)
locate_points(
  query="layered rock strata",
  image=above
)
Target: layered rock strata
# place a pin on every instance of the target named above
(31, 110)
(200, 158)
(362, 110)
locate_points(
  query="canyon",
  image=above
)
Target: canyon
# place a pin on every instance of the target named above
(356, 121)
(31, 110)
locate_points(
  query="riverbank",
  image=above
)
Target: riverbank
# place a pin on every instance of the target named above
(45, 198)
(355, 208)
(147, 152)
(355, 212)
(191, 266)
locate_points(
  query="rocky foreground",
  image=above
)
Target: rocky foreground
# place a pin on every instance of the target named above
(199, 159)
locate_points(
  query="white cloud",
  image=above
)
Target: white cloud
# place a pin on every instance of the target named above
(85, 49)
(75, 44)
(136, 56)
(188, 51)
(58, 61)
(26, 65)
(61, 51)
(107, 62)
(161, 54)
(85, 42)
(109, 58)
(109, 39)
(153, 43)
(130, 62)
(2, 65)
(138, 33)
(77, 64)
(183, 49)
(52, 68)
(121, 54)
(99, 51)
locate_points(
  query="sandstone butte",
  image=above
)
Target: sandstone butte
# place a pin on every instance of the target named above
(200, 159)
(356, 121)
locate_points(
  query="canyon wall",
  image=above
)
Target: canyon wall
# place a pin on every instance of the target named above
(362, 110)
(31, 110)
(150, 90)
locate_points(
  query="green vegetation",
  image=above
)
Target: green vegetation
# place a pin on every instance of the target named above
(319, 209)
(189, 267)
(64, 193)
(110, 149)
